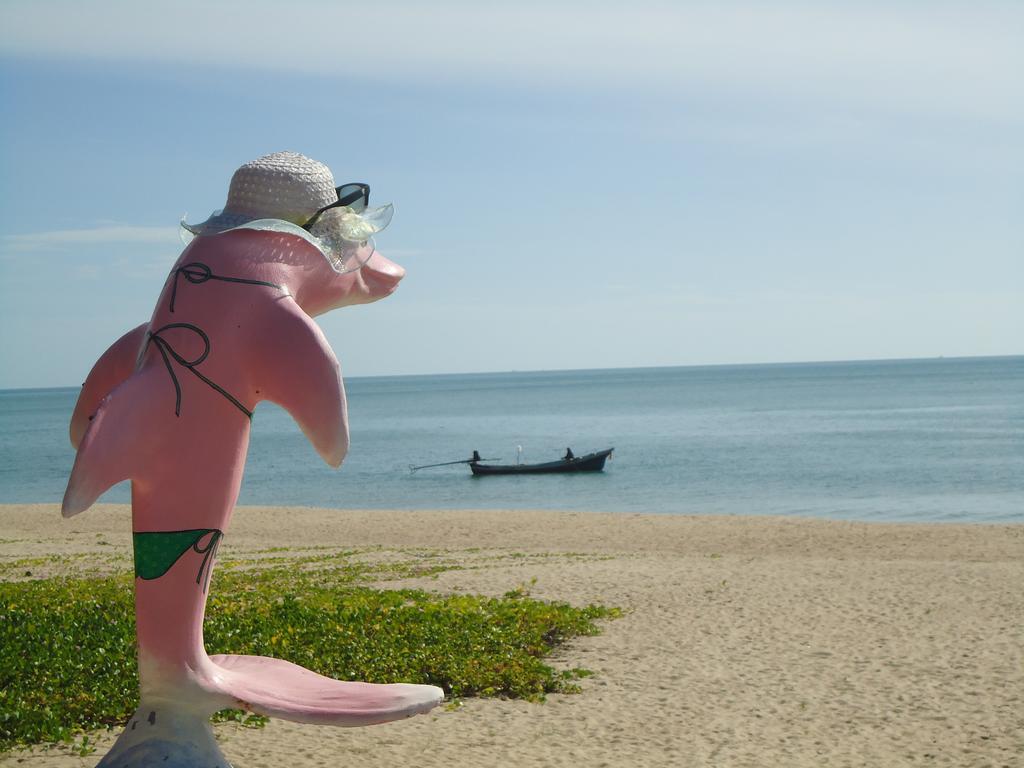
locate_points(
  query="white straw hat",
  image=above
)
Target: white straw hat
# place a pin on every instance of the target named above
(286, 188)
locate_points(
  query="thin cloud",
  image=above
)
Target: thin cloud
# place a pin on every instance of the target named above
(63, 239)
(927, 58)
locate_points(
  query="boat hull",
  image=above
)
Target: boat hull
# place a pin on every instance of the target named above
(591, 462)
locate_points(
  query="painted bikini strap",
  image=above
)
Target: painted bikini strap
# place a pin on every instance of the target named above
(197, 273)
(167, 352)
(157, 551)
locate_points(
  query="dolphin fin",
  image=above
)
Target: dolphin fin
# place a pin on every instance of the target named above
(278, 688)
(299, 372)
(108, 452)
(114, 366)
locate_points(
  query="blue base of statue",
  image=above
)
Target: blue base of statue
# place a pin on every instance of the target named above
(156, 736)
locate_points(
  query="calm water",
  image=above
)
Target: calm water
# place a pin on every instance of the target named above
(929, 440)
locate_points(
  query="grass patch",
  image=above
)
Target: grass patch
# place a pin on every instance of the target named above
(67, 645)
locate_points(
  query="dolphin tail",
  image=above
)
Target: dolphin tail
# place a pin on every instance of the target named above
(174, 732)
(278, 688)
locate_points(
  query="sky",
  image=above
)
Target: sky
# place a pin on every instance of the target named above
(576, 184)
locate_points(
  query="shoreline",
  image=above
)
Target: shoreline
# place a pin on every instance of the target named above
(545, 529)
(745, 641)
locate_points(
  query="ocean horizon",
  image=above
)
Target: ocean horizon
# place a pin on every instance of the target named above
(517, 371)
(925, 439)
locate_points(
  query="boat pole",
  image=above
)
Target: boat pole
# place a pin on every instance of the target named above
(448, 463)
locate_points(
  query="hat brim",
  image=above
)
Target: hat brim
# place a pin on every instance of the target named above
(219, 221)
(374, 220)
(343, 255)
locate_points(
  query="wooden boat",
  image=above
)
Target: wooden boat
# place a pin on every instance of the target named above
(591, 462)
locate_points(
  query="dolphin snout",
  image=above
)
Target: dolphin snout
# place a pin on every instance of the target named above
(376, 279)
(381, 275)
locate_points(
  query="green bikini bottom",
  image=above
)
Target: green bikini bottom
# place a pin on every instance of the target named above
(157, 551)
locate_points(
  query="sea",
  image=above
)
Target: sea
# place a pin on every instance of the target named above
(937, 440)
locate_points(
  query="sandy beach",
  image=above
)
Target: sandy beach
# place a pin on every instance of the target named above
(745, 641)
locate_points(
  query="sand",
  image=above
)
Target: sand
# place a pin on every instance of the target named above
(746, 641)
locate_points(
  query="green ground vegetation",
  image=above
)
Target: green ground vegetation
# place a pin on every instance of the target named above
(67, 643)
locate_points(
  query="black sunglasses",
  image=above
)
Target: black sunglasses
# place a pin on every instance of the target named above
(355, 195)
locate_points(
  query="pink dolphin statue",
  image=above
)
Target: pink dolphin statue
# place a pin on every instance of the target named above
(168, 407)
